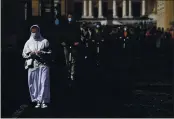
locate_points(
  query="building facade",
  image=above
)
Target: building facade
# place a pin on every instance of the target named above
(165, 13)
(160, 10)
(89, 8)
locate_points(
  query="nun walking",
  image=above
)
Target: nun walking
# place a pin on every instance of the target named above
(36, 52)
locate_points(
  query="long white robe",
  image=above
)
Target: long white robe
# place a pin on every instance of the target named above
(38, 75)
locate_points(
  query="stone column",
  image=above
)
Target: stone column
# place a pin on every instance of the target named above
(100, 12)
(130, 9)
(124, 9)
(90, 15)
(115, 9)
(25, 11)
(84, 9)
(143, 11)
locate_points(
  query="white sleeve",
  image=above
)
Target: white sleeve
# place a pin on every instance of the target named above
(26, 51)
(47, 44)
(47, 47)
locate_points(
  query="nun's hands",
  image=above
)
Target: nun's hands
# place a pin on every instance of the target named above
(32, 54)
(38, 53)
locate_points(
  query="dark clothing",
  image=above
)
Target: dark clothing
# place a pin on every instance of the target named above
(71, 33)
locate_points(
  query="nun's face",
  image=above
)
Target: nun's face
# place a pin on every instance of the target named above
(34, 30)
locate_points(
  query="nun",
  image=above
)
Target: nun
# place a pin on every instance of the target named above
(36, 52)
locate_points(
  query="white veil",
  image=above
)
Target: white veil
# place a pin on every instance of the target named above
(39, 36)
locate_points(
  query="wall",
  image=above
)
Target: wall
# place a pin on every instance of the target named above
(169, 13)
(165, 13)
(160, 13)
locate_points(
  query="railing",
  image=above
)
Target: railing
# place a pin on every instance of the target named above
(119, 21)
(136, 21)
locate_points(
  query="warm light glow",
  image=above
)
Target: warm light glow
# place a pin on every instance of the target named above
(35, 8)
